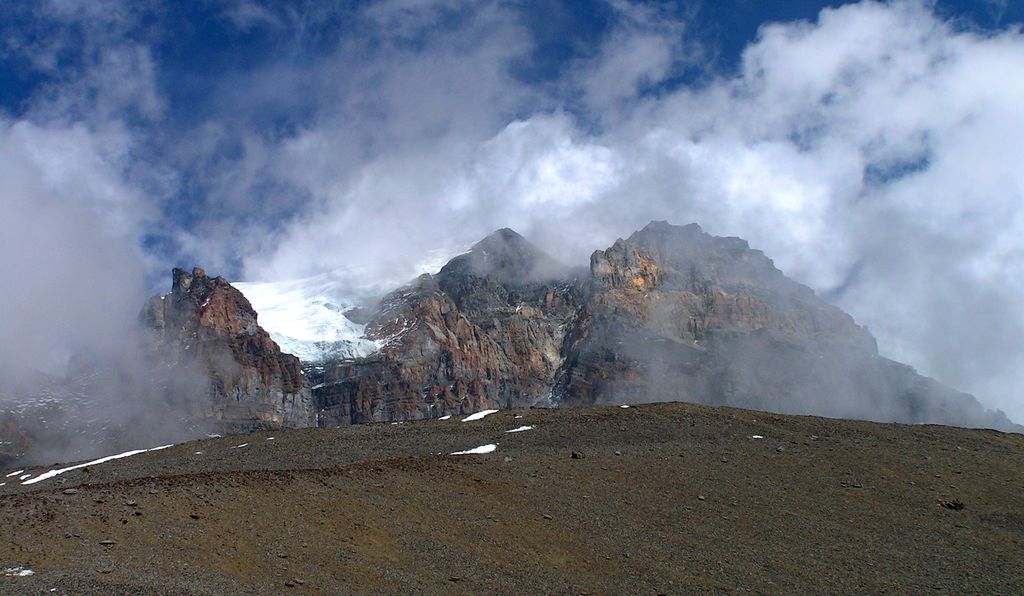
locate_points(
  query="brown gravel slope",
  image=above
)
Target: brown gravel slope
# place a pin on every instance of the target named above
(665, 498)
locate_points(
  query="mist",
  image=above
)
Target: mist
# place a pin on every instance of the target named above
(72, 270)
(73, 358)
(871, 152)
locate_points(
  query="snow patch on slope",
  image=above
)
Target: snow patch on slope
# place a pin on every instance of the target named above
(478, 415)
(102, 460)
(477, 450)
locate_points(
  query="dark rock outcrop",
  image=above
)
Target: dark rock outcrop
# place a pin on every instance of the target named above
(671, 313)
(209, 326)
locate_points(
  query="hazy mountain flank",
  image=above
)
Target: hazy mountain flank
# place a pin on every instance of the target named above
(668, 314)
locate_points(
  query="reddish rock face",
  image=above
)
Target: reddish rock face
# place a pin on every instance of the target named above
(207, 323)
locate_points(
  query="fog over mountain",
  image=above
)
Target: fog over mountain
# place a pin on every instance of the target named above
(871, 151)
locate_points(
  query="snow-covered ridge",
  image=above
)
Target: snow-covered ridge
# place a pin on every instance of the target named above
(306, 317)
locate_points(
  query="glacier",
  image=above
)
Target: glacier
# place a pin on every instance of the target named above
(306, 317)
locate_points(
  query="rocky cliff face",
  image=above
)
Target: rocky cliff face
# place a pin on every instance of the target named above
(209, 327)
(670, 313)
(485, 332)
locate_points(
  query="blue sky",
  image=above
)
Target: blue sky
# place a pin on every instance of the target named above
(869, 148)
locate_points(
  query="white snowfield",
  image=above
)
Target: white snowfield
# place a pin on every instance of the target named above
(52, 473)
(477, 450)
(521, 429)
(478, 415)
(306, 317)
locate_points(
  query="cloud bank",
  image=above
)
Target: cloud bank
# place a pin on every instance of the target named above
(872, 153)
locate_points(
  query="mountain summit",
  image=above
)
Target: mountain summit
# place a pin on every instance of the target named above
(505, 257)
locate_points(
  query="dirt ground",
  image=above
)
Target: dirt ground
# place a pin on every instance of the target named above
(658, 499)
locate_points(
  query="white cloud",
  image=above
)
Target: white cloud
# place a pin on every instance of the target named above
(873, 154)
(874, 150)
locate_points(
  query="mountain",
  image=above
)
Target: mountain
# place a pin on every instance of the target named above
(671, 313)
(676, 314)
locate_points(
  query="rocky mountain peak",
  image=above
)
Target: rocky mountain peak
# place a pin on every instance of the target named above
(209, 325)
(662, 227)
(507, 258)
(503, 237)
(197, 286)
(181, 279)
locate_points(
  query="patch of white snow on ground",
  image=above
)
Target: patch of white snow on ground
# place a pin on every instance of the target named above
(240, 446)
(445, 417)
(18, 572)
(517, 416)
(24, 476)
(94, 462)
(15, 473)
(3, 484)
(520, 429)
(756, 437)
(270, 438)
(624, 406)
(478, 415)
(477, 450)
